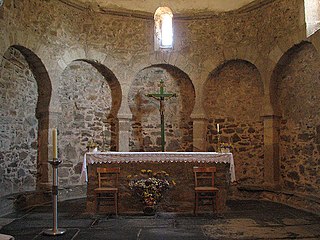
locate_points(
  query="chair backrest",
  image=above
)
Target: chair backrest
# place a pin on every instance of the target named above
(108, 177)
(204, 176)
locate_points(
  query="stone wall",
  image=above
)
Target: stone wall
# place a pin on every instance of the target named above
(234, 99)
(19, 125)
(298, 91)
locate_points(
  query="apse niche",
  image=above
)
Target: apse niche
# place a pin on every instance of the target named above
(145, 128)
(19, 125)
(233, 97)
(86, 103)
(297, 87)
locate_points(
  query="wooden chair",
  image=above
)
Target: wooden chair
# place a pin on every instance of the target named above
(204, 186)
(108, 191)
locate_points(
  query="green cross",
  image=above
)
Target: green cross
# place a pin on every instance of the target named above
(161, 97)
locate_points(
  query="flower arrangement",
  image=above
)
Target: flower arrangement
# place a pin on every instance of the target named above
(91, 145)
(225, 147)
(150, 186)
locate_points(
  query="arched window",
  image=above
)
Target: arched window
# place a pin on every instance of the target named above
(163, 30)
(312, 15)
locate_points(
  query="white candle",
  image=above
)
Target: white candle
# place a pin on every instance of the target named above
(103, 128)
(54, 144)
(218, 127)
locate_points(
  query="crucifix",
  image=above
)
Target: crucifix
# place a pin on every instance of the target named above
(161, 97)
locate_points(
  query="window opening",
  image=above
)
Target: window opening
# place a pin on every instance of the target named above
(312, 16)
(163, 34)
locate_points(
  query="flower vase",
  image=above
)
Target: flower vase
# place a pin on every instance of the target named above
(149, 210)
(149, 207)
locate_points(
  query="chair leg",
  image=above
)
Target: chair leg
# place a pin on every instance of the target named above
(213, 203)
(216, 201)
(116, 203)
(96, 202)
(195, 204)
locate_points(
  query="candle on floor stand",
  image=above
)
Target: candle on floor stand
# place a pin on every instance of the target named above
(55, 163)
(218, 127)
(54, 144)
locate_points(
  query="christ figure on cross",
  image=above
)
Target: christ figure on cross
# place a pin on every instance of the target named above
(161, 97)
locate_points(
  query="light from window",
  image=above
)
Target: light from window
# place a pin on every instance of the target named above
(163, 30)
(312, 16)
(166, 31)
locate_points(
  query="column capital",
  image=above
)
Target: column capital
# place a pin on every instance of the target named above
(271, 116)
(199, 117)
(124, 116)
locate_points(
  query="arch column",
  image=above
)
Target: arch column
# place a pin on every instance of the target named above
(200, 123)
(198, 116)
(271, 149)
(43, 151)
(124, 134)
(124, 115)
(47, 121)
(271, 122)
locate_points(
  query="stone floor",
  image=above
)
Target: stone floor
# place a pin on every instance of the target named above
(243, 220)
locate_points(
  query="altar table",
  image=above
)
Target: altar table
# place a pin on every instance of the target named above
(178, 164)
(163, 157)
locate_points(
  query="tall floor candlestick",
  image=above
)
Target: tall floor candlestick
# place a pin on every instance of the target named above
(54, 144)
(55, 163)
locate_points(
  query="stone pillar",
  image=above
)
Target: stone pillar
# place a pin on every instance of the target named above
(271, 150)
(200, 124)
(124, 135)
(42, 164)
(47, 121)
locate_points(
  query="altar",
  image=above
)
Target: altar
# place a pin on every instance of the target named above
(179, 165)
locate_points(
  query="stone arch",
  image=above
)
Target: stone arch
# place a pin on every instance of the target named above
(28, 109)
(296, 87)
(114, 86)
(145, 130)
(166, 58)
(233, 97)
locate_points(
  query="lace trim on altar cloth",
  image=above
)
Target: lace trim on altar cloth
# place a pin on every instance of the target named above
(163, 157)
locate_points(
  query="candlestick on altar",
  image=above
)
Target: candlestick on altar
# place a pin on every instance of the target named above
(103, 138)
(219, 140)
(55, 163)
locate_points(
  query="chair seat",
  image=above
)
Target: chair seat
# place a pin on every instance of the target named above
(206, 189)
(104, 189)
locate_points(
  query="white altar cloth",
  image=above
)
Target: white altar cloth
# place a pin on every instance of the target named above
(163, 157)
